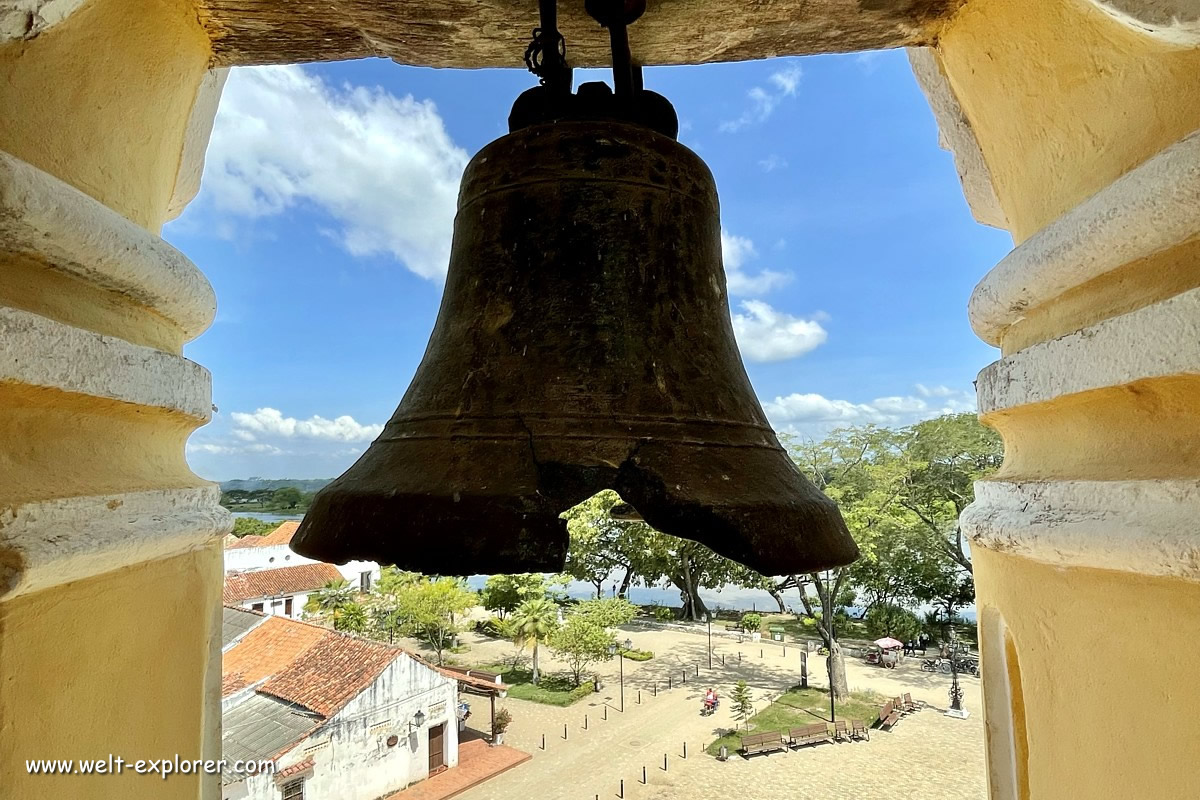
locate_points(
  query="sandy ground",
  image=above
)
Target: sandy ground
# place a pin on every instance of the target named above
(927, 754)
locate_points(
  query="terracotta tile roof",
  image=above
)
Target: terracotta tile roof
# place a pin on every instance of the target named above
(470, 679)
(274, 582)
(265, 651)
(281, 535)
(331, 672)
(295, 769)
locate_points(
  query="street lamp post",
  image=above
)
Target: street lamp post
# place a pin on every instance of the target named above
(613, 650)
(710, 640)
(956, 691)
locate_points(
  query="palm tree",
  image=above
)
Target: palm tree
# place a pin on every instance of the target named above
(331, 598)
(534, 621)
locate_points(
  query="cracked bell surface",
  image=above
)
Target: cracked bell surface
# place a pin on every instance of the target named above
(583, 343)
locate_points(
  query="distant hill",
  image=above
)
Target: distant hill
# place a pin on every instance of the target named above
(251, 484)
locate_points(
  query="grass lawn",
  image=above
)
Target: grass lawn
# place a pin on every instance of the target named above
(553, 689)
(798, 707)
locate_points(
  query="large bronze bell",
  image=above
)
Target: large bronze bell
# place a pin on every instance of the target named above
(583, 343)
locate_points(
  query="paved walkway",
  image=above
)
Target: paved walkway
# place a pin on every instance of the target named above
(926, 755)
(477, 762)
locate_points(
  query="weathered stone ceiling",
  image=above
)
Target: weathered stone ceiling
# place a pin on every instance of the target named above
(493, 33)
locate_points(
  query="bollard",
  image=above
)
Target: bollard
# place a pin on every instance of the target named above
(785, 649)
(606, 712)
(685, 749)
(585, 722)
(664, 762)
(697, 666)
(760, 655)
(739, 656)
(656, 688)
(643, 775)
(722, 659)
(564, 731)
(684, 677)
(639, 697)
(668, 682)
(543, 741)
(622, 792)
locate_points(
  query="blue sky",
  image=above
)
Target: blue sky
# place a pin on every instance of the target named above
(324, 219)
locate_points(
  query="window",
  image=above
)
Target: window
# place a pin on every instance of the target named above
(364, 581)
(256, 607)
(293, 790)
(287, 607)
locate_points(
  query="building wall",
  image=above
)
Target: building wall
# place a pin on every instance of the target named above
(353, 761)
(250, 559)
(1085, 543)
(110, 560)
(270, 608)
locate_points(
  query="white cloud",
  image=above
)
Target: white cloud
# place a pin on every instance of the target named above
(808, 409)
(764, 334)
(270, 422)
(772, 163)
(383, 167)
(935, 391)
(735, 252)
(227, 449)
(763, 102)
(787, 80)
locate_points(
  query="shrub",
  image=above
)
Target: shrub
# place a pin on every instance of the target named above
(808, 622)
(664, 613)
(751, 623)
(502, 721)
(637, 655)
(582, 690)
(493, 626)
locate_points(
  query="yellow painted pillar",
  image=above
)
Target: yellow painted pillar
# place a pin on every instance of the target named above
(110, 567)
(1086, 544)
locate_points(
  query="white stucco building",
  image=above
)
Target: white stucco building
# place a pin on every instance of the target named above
(338, 715)
(273, 551)
(277, 592)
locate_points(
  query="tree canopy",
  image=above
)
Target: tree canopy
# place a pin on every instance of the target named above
(501, 594)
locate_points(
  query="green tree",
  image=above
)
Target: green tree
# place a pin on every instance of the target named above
(581, 642)
(690, 566)
(948, 455)
(607, 612)
(351, 618)
(889, 619)
(741, 703)
(247, 526)
(392, 580)
(601, 545)
(534, 621)
(331, 598)
(863, 470)
(503, 593)
(287, 497)
(428, 609)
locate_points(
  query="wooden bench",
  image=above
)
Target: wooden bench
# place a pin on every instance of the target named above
(810, 734)
(841, 730)
(888, 716)
(910, 704)
(859, 730)
(763, 743)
